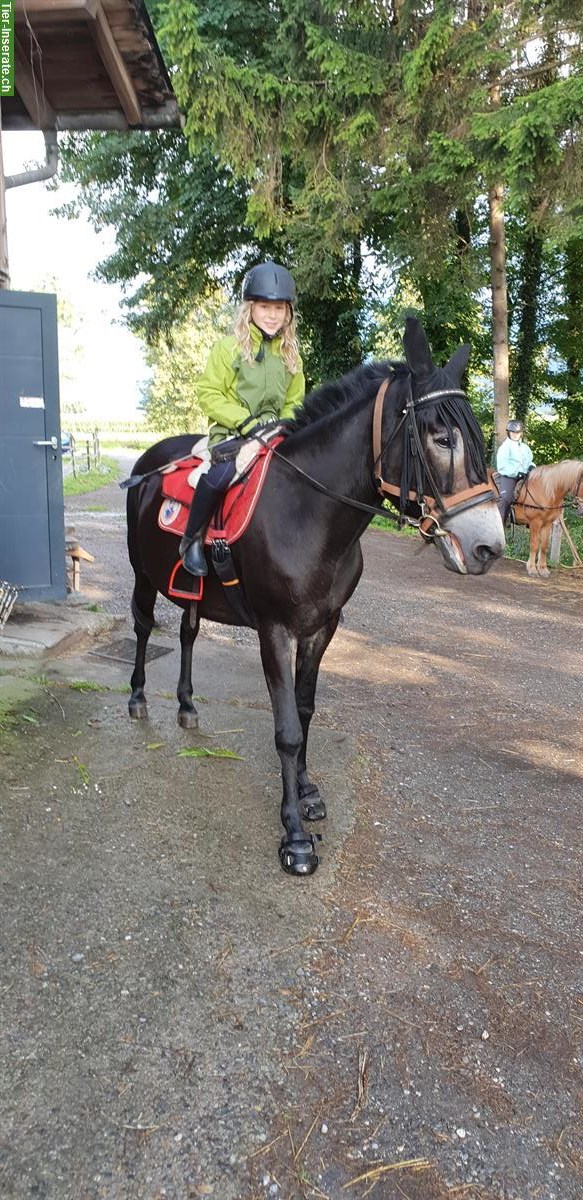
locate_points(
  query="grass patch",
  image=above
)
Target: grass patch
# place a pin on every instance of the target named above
(91, 481)
(86, 685)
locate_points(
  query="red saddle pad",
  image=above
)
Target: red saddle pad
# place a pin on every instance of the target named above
(237, 508)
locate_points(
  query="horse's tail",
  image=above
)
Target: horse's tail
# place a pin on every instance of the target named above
(132, 513)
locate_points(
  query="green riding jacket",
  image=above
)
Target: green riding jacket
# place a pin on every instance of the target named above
(231, 390)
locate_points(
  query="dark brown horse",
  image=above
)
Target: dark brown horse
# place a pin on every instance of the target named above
(300, 559)
(540, 502)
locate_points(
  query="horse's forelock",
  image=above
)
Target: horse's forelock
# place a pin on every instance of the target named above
(456, 412)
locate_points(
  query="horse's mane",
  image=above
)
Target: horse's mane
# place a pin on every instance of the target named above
(358, 388)
(357, 385)
(555, 479)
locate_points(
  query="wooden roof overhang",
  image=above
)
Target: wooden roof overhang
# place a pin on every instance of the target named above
(88, 64)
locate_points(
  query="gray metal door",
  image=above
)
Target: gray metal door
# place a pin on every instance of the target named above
(32, 526)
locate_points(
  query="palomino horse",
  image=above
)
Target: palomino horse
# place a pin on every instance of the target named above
(540, 502)
(300, 559)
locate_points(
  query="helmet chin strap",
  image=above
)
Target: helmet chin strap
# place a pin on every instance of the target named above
(266, 337)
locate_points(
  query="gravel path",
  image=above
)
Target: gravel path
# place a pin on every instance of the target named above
(184, 1020)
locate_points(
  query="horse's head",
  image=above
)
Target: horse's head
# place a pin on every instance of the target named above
(437, 450)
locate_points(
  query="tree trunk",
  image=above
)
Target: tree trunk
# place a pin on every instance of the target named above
(574, 334)
(527, 305)
(499, 310)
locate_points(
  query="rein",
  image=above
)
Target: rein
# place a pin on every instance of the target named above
(526, 503)
(433, 507)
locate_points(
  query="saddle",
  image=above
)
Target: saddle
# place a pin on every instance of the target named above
(227, 526)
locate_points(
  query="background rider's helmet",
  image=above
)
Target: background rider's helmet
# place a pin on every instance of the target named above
(269, 281)
(515, 427)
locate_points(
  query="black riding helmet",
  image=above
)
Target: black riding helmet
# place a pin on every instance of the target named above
(269, 281)
(515, 427)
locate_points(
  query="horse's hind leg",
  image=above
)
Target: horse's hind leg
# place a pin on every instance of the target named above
(187, 714)
(534, 533)
(309, 657)
(143, 601)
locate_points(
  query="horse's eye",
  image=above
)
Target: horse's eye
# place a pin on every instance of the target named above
(444, 442)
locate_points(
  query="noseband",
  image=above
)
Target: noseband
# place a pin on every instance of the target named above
(436, 508)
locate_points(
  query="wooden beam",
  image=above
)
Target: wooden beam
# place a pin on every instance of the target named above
(115, 66)
(53, 11)
(31, 91)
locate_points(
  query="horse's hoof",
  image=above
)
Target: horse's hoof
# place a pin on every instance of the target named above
(299, 858)
(313, 807)
(138, 710)
(544, 573)
(188, 718)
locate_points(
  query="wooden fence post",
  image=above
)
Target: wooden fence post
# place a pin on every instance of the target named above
(555, 546)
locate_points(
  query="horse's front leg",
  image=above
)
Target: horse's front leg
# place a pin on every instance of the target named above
(534, 532)
(187, 714)
(309, 657)
(296, 852)
(545, 534)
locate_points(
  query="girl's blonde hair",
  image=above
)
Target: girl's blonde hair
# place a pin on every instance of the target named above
(290, 350)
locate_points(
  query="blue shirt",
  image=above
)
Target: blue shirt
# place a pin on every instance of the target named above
(513, 458)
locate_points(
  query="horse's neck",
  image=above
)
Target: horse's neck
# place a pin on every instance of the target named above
(341, 458)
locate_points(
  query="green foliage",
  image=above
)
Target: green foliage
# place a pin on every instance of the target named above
(355, 142)
(176, 218)
(553, 439)
(170, 398)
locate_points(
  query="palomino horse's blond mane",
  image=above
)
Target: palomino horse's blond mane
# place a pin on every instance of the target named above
(556, 479)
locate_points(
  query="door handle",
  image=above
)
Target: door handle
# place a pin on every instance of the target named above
(51, 442)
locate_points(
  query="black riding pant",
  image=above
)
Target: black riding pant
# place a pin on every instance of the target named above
(506, 488)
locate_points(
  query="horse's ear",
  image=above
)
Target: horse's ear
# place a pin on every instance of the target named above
(417, 350)
(458, 363)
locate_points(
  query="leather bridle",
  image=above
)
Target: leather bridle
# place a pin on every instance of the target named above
(435, 508)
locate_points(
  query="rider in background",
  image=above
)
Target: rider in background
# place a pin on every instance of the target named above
(513, 461)
(253, 377)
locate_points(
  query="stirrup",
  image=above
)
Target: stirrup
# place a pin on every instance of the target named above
(193, 559)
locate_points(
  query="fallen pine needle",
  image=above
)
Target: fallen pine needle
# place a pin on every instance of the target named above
(406, 1164)
(264, 1149)
(339, 1012)
(207, 752)
(362, 1082)
(308, 1135)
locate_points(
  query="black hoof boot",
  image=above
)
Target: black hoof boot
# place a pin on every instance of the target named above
(192, 555)
(313, 807)
(299, 858)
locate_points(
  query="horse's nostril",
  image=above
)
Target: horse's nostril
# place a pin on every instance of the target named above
(484, 553)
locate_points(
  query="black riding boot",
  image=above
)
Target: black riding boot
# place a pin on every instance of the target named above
(191, 547)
